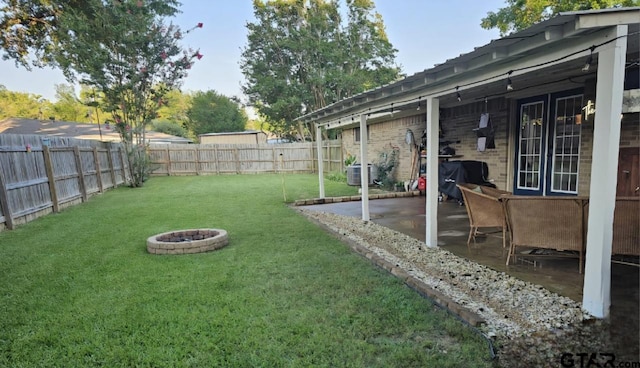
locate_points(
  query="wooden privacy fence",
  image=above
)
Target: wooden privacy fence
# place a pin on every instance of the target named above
(40, 175)
(211, 159)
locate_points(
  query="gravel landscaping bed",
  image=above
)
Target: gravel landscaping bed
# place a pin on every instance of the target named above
(530, 325)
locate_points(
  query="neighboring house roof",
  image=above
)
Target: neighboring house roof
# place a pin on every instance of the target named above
(246, 132)
(488, 66)
(77, 130)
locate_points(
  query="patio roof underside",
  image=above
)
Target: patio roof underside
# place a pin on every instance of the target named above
(545, 58)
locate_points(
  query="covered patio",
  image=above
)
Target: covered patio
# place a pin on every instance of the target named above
(560, 275)
(581, 58)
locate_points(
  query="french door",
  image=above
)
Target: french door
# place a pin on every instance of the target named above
(548, 144)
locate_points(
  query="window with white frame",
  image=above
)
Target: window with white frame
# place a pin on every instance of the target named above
(530, 145)
(356, 134)
(566, 144)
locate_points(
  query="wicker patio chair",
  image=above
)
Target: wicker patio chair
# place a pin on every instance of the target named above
(626, 227)
(495, 192)
(554, 223)
(484, 209)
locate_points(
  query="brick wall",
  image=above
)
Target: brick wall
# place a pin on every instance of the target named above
(586, 153)
(630, 131)
(629, 137)
(383, 137)
(586, 141)
(458, 124)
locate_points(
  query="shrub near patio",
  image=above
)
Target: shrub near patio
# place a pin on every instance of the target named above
(78, 288)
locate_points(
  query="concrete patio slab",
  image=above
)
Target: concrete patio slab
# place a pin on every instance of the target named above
(560, 275)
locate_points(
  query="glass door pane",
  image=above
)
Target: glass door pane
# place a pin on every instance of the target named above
(566, 140)
(530, 146)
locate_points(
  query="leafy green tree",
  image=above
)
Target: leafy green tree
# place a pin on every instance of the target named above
(174, 107)
(168, 127)
(302, 56)
(93, 100)
(36, 32)
(172, 115)
(68, 107)
(258, 123)
(520, 14)
(368, 56)
(28, 28)
(22, 105)
(128, 52)
(212, 112)
(123, 48)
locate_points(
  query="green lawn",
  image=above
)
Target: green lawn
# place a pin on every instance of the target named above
(78, 289)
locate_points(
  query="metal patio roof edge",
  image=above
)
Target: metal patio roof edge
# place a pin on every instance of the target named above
(559, 21)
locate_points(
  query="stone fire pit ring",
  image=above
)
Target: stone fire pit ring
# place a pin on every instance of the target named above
(187, 241)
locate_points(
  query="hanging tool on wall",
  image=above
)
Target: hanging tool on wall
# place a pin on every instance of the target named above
(415, 162)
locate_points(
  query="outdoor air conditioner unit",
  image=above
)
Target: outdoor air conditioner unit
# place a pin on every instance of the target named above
(353, 174)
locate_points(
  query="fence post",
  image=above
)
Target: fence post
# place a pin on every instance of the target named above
(237, 154)
(168, 161)
(4, 204)
(96, 159)
(215, 159)
(275, 164)
(341, 165)
(83, 188)
(329, 162)
(198, 169)
(123, 160)
(48, 167)
(313, 160)
(112, 171)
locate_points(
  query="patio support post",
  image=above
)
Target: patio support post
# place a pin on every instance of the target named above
(602, 194)
(320, 163)
(431, 192)
(364, 168)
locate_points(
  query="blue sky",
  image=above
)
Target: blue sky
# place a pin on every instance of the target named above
(425, 32)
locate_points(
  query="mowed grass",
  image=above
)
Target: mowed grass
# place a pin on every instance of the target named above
(78, 288)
